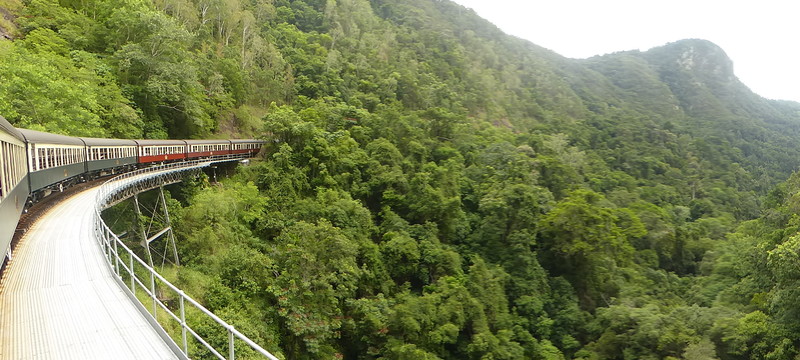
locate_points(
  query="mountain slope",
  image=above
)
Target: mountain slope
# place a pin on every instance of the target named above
(436, 189)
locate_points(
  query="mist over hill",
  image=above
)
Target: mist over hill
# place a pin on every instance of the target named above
(434, 188)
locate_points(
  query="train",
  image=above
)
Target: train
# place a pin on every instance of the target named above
(34, 164)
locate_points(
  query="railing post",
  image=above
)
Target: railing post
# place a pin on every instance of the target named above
(132, 274)
(230, 343)
(106, 248)
(183, 326)
(116, 256)
(153, 292)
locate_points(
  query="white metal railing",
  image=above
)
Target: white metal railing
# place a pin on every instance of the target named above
(112, 247)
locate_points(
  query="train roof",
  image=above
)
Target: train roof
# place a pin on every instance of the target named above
(38, 137)
(160, 142)
(241, 141)
(212, 141)
(6, 127)
(108, 142)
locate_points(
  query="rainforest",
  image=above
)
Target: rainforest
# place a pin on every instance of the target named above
(433, 188)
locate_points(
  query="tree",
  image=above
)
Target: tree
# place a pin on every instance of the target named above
(588, 241)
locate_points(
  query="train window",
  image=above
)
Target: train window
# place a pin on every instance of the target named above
(8, 159)
(5, 176)
(3, 150)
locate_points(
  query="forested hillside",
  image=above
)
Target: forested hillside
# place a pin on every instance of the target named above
(433, 188)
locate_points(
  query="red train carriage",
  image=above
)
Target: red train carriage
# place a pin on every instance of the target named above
(246, 146)
(207, 148)
(161, 150)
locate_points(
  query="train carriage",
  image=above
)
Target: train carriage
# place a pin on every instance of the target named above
(14, 188)
(161, 150)
(54, 160)
(34, 163)
(246, 146)
(207, 148)
(109, 154)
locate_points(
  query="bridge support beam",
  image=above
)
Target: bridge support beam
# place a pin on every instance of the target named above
(159, 216)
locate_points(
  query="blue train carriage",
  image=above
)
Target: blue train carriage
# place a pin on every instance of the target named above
(54, 162)
(14, 188)
(109, 156)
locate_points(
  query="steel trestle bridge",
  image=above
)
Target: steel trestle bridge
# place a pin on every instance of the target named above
(75, 291)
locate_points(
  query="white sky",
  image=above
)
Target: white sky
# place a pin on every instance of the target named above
(760, 36)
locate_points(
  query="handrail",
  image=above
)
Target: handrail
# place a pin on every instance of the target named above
(111, 246)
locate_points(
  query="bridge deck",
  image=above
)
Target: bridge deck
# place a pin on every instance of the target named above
(58, 299)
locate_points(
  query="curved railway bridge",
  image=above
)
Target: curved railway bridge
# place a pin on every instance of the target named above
(73, 289)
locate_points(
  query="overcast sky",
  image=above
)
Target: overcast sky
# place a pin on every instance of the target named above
(760, 36)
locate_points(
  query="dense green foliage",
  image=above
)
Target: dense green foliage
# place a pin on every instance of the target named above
(435, 189)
